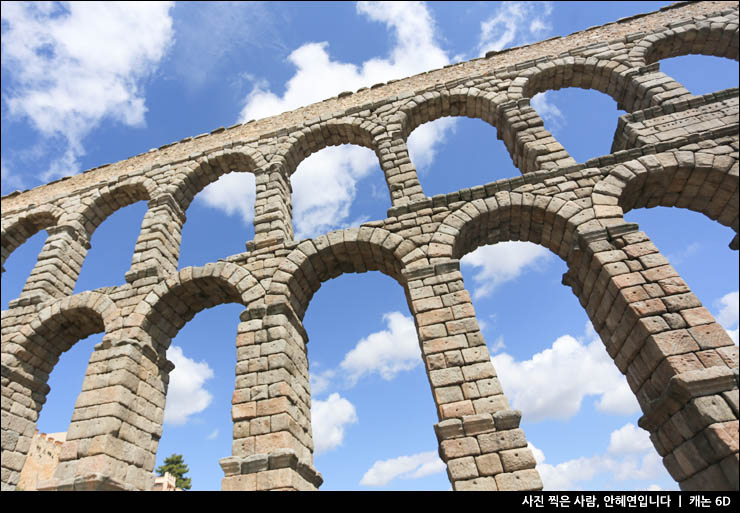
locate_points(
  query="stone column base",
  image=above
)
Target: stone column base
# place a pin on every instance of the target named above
(279, 470)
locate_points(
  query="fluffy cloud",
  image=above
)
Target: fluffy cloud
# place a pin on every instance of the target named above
(514, 24)
(233, 193)
(502, 262)
(554, 382)
(186, 395)
(211, 34)
(728, 314)
(386, 352)
(329, 419)
(404, 467)
(73, 64)
(325, 184)
(320, 380)
(630, 457)
(629, 439)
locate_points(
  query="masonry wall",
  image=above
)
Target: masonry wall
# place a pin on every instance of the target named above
(671, 149)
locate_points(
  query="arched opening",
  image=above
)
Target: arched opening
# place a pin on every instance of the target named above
(582, 120)
(19, 265)
(46, 393)
(197, 418)
(219, 221)
(335, 188)
(554, 368)
(111, 249)
(702, 74)
(451, 154)
(197, 348)
(372, 413)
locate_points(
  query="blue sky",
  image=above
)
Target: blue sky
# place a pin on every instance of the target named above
(88, 84)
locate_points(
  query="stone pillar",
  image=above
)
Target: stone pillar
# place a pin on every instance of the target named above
(400, 173)
(117, 423)
(531, 146)
(273, 447)
(58, 267)
(157, 249)
(679, 361)
(273, 210)
(23, 394)
(478, 433)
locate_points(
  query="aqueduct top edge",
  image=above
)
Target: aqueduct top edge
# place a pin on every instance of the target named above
(515, 59)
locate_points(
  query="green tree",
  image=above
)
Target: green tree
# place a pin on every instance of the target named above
(176, 466)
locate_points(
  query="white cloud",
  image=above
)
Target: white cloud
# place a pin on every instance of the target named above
(186, 395)
(426, 139)
(498, 345)
(386, 352)
(629, 439)
(404, 467)
(10, 181)
(211, 34)
(503, 262)
(629, 459)
(548, 111)
(728, 314)
(554, 382)
(320, 381)
(233, 193)
(514, 24)
(329, 419)
(324, 188)
(73, 64)
(212, 435)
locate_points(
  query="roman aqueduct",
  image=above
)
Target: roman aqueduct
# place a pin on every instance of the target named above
(671, 149)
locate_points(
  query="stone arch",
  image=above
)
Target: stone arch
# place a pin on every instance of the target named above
(192, 177)
(530, 146)
(703, 37)
(61, 259)
(545, 220)
(294, 148)
(30, 355)
(470, 102)
(702, 182)
(272, 385)
(170, 305)
(632, 88)
(358, 250)
(105, 201)
(313, 138)
(66, 321)
(26, 225)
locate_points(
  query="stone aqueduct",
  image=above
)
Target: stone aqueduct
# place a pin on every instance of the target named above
(671, 149)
